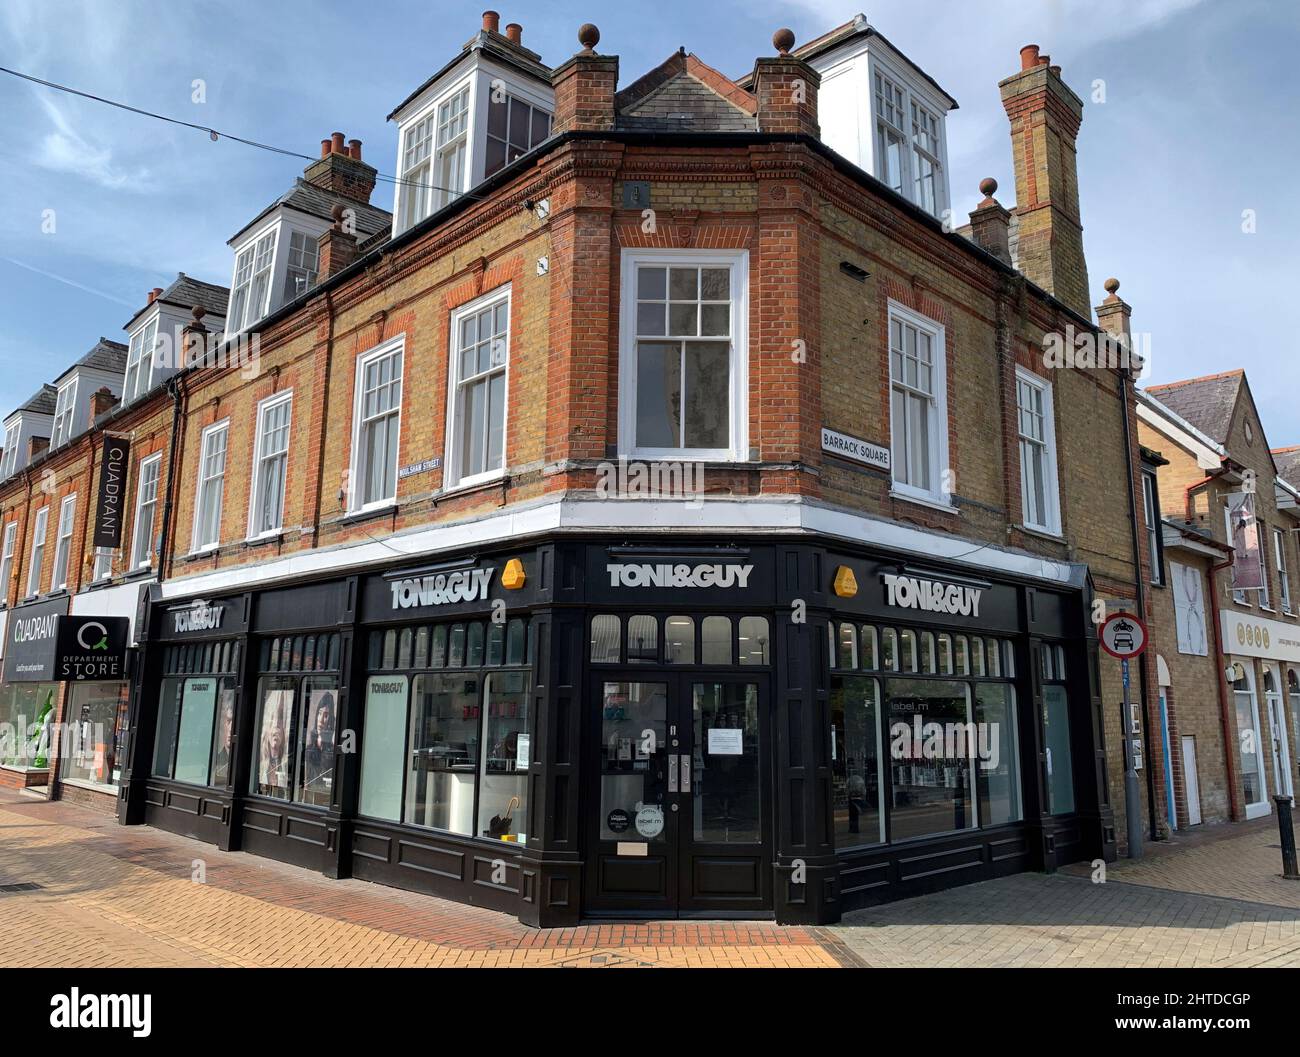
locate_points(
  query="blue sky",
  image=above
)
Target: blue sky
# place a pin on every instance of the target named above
(1198, 124)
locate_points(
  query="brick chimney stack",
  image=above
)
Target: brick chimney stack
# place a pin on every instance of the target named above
(584, 87)
(1045, 116)
(194, 338)
(990, 223)
(101, 401)
(340, 169)
(337, 247)
(786, 90)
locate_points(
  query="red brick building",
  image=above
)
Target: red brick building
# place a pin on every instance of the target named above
(639, 519)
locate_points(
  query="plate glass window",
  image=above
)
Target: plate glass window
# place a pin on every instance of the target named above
(38, 550)
(212, 483)
(479, 362)
(379, 399)
(270, 466)
(685, 377)
(146, 504)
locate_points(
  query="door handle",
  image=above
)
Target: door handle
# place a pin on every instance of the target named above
(672, 772)
(685, 759)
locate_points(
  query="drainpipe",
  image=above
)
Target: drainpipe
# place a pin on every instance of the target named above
(325, 396)
(1221, 680)
(1140, 598)
(176, 390)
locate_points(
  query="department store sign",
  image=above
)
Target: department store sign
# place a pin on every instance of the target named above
(440, 589)
(1247, 635)
(931, 596)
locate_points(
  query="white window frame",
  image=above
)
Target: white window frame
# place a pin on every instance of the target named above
(1260, 807)
(63, 542)
(145, 465)
(1051, 475)
(65, 406)
(103, 569)
(911, 92)
(738, 381)
(139, 360)
(12, 435)
(939, 419)
(415, 188)
(7, 560)
(243, 313)
(388, 348)
(1283, 580)
(1265, 598)
(444, 193)
(308, 251)
(453, 448)
(39, 532)
(202, 476)
(259, 455)
(1152, 527)
(511, 97)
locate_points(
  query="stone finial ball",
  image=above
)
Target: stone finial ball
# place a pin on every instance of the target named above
(198, 312)
(588, 35)
(988, 186)
(783, 41)
(1111, 285)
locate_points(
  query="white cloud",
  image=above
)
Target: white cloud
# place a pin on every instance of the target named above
(64, 149)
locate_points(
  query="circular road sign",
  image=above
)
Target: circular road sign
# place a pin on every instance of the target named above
(1123, 636)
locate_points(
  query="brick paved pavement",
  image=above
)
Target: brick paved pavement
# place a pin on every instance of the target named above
(112, 896)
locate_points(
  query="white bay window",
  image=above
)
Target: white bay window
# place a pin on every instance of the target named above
(64, 406)
(476, 419)
(684, 356)
(252, 286)
(139, 361)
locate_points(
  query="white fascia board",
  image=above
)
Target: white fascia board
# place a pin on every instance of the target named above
(1209, 453)
(118, 601)
(681, 519)
(442, 86)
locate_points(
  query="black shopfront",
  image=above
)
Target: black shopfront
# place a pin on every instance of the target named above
(587, 728)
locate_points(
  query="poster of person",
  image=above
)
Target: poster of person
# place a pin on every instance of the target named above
(273, 745)
(1247, 568)
(318, 746)
(225, 730)
(1189, 609)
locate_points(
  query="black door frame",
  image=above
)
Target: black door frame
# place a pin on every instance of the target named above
(680, 857)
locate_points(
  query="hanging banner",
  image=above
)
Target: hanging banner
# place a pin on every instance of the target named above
(1247, 569)
(110, 502)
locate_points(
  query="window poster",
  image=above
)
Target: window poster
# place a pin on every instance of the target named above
(273, 744)
(1247, 568)
(195, 740)
(383, 747)
(1189, 609)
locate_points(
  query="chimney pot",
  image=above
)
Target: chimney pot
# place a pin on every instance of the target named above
(155, 293)
(1029, 56)
(1044, 60)
(354, 149)
(491, 22)
(1056, 70)
(324, 147)
(336, 143)
(783, 41)
(515, 33)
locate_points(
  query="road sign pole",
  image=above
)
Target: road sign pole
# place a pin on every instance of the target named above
(1132, 794)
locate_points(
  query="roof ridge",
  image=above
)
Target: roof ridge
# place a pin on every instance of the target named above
(1239, 371)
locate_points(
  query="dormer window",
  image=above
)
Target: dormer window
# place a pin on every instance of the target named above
(10, 463)
(139, 361)
(514, 128)
(64, 407)
(453, 143)
(304, 259)
(248, 302)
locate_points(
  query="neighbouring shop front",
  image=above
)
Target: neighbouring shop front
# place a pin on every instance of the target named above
(585, 728)
(63, 698)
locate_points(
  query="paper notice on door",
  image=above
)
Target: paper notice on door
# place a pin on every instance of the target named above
(726, 741)
(521, 752)
(627, 847)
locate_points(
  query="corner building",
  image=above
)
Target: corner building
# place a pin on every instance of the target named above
(407, 630)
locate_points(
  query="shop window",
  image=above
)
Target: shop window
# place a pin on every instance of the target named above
(907, 650)
(438, 647)
(977, 656)
(995, 659)
(503, 796)
(715, 640)
(754, 640)
(516, 642)
(889, 649)
(474, 646)
(932, 780)
(456, 646)
(961, 654)
(642, 640)
(927, 653)
(97, 724)
(1046, 661)
(274, 731)
(314, 781)
(390, 649)
(867, 638)
(1060, 761)
(848, 647)
(190, 746)
(496, 645)
(945, 653)
(679, 640)
(421, 658)
(1249, 744)
(633, 739)
(26, 709)
(1059, 651)
(606, 632)
(383, 748)
(727, 789)
(444, 750)
(997, 768)
(857, 760)
(405, 640)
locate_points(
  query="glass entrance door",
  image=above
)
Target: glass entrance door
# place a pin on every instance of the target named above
(680, 796)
